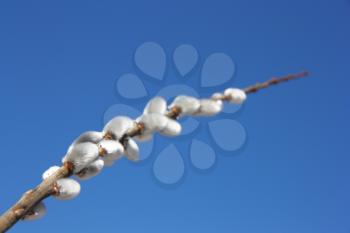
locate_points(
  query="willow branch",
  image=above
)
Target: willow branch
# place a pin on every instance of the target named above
(46, 187)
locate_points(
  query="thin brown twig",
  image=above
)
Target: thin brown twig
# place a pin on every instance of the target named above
(46, 187)
(274, 81)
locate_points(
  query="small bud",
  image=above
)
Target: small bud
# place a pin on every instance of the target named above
(131, 150)
(209, 107)
(156, 105)
(111, 148)
(188, 105)
(92, 170)
(173, 128)
(50, 171)
(81, 155)
(235, 95)
(66, 189)
(37, 212)
(119, 126)
(217, 96)
(153, 122)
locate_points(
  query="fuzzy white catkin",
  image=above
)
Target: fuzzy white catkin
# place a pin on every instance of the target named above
(235, 95)
(114, 149)
(209, 107)
(92, 170)
(50, 171)
(81, 155)
(131, 150)
(89, 136)
(37, 212)
(188, 105)
(67, 189)
(156, 105)
(172, 128)
(119, 126)
(153, 122)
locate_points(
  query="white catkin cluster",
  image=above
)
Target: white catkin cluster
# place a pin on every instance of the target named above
(92, 150)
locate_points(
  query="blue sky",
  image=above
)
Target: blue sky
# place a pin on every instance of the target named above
(58, 65)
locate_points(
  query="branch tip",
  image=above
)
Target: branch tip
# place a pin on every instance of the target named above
(275, 81)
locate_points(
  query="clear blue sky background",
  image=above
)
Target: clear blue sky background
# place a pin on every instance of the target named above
(58, 64)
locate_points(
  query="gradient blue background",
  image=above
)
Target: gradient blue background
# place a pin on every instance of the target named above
(58, 64)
